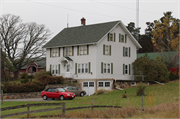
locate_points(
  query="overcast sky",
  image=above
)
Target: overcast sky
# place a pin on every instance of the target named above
(53, 13)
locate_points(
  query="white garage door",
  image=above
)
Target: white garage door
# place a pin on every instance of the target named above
(88, 86)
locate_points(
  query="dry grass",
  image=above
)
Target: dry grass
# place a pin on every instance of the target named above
(166, 110)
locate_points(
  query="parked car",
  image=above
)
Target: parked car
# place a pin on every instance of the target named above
(57, 93)
(75, 90)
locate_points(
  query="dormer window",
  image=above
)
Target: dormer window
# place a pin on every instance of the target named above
(83, 50)
(68, 51)
(55, 52)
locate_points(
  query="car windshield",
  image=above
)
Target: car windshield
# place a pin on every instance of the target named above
(61, 90)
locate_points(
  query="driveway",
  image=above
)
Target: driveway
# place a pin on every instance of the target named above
(28, 99)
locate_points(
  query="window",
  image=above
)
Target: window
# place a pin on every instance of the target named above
(103, 84)
(86, 68)
(126, 51)
(83, 50)
(69, 88)
(110, 37)
(106, 68)
(83, 68)
(126, 69)
(85, 84)
(79, 68)
(91, 84)
(106, 50)
(107, 84)
(68, 51)
(68, 68)
(55, 52)
(53, 90)
(54, 69)
(100, 84)
(74, 88)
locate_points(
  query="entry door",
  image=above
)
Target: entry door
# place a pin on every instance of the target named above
(88, 86)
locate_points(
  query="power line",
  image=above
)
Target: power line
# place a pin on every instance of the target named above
(80, 10)
(125, 7)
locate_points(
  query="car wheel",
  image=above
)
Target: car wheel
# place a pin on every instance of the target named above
(81, 94)
(61, 97)
(44, 97)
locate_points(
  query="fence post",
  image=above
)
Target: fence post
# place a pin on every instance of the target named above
(63, 110)
(142, 103)
(2, 96)
(91, 104)
(28, 110)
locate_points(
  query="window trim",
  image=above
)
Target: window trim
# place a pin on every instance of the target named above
(106, 68)
(103, 85)
(80, 68)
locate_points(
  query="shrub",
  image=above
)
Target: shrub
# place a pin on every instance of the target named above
(100, 91)
(172, 76)
(153, 70)
(46, 79)
(42, 73)
(24, 80)
(34, 86)
(140, 90)
(124, 96)
(24, 76)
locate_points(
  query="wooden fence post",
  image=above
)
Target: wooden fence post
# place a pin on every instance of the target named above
(91, 104)
(28, 110)
(142, 103)
(63, 110)
(2, 96)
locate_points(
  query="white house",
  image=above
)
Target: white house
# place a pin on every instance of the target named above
(95, 55)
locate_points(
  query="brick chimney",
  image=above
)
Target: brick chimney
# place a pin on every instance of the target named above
(83, 22)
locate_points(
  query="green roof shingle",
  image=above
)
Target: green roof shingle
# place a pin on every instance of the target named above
(80, 35)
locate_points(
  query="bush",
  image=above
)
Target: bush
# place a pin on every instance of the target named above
(100, 91)
(153, 70)
(140, 90)
(124, 96)
(34, 86)
(46, 79)
(172, 76)
(24, 76)
(42, 73)
(24, 80)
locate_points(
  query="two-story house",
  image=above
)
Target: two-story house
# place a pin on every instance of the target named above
(96, 55)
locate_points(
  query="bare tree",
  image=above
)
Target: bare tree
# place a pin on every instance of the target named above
(21, 42)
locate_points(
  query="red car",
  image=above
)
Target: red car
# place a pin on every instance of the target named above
(57, 93)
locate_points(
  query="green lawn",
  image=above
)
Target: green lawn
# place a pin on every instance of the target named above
(156, 94)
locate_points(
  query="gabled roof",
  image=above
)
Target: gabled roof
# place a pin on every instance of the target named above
(88, 34)
(40, 62)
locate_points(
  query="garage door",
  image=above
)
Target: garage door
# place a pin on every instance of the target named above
(88, 86)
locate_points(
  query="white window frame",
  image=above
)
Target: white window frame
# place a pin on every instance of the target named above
(106, 49)
(106, 68)
(126, 65)
(68, 51)
(126, 51)
(103, 84)
(54, 69)
(107, 82)
(55, 52)
(83, 50)
(83, 68)
(111, 37)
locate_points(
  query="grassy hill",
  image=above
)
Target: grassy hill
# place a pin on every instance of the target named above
(159, 99)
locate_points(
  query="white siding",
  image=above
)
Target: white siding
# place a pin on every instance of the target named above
(116, 56)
